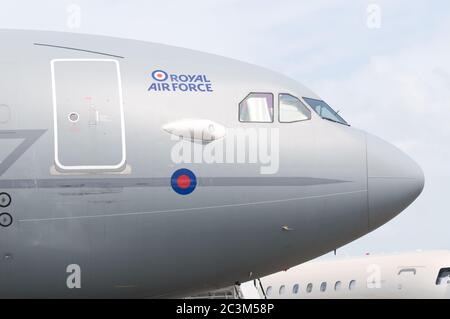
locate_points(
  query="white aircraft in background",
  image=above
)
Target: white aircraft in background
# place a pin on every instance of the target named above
(405, 275)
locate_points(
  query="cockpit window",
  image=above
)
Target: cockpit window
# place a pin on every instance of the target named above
(291, 109)
(443, 277)
(324, 110)
(257, 107)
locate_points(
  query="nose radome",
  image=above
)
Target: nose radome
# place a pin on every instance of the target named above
(394, 181)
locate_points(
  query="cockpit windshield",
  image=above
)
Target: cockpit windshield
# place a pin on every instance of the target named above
(443, 276)
(324, 110)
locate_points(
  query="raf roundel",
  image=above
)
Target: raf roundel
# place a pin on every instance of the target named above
(159, 75)
(183, 181)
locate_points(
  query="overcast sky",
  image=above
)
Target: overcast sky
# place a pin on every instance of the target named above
(384, 64)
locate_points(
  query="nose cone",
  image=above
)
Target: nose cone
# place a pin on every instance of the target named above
(394, 181)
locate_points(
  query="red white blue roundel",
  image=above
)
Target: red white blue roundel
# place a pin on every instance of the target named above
(159, 75)
(183, 181)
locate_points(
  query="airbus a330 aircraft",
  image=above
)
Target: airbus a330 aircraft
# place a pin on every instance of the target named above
(113, 182)
(406, 275)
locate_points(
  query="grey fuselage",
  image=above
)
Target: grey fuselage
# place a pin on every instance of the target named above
(89, 180)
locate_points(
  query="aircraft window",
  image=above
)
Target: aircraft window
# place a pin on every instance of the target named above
(352, 285)
(257, 107)
(268, 291)
(325, 111)
(282, 289)
(323, 287)
(309, 288)
(295, 289)
(337, 285)
(291, 109)
(443, 276)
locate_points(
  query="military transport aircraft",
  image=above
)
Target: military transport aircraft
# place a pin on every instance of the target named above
(133, 169)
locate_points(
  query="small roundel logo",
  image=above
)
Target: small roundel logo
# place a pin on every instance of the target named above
(183, 181)
(159, 75)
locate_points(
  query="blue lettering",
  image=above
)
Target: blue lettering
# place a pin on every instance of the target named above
(192, 87)
(183, 83)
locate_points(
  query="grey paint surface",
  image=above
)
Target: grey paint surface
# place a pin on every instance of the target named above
(131, 234)
(89, 90)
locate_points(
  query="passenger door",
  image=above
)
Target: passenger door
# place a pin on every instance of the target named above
(89, 128)
(405, 277)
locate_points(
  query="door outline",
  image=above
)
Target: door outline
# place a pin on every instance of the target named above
(115, 167)
(403, 274)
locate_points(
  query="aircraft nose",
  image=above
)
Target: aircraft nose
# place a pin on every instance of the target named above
(394, 181)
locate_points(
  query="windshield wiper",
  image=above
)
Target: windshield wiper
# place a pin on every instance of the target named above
(335, 121)
(331, 120)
